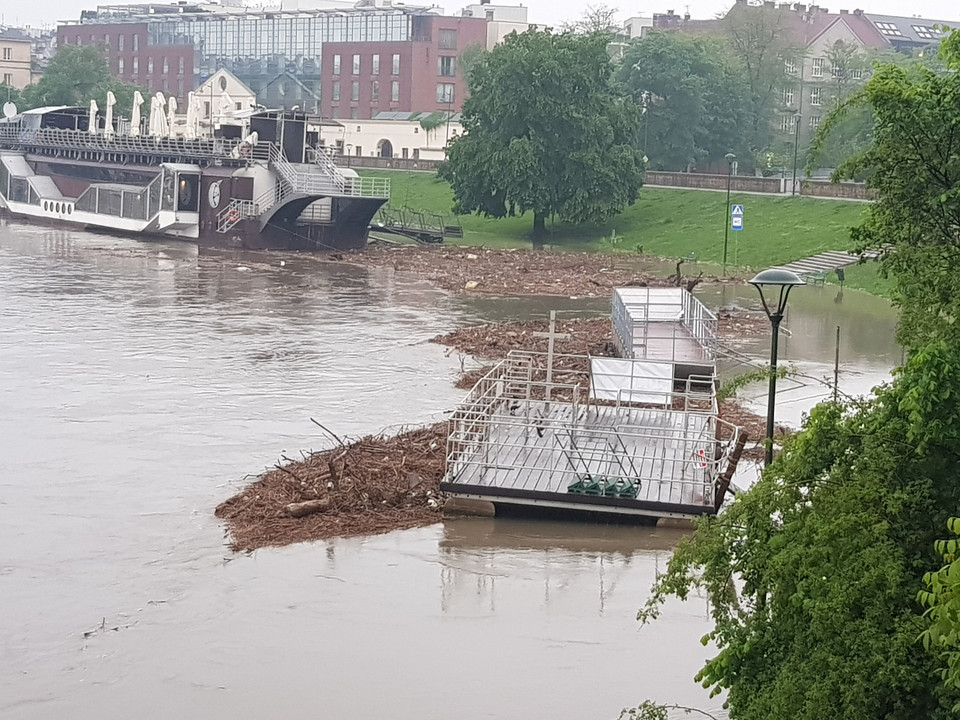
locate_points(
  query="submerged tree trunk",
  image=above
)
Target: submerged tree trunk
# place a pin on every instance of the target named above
(539, 225)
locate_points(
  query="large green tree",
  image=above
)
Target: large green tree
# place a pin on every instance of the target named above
(690, 92)
(914, 165)
(76, 75)
(545, 133)
(760, 38)
(812, 574)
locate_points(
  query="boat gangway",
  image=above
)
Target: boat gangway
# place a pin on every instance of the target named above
(665, 325)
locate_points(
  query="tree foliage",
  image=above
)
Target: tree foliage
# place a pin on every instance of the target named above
(942, 600)
(689, 91)
(600, 18)
(812, 574)
(914, 165)
(760, 42)
(76, 75)
(545, 133)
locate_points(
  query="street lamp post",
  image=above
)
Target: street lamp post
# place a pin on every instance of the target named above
(646, 121)
(796, 150)
(772, 281)
(731, 159)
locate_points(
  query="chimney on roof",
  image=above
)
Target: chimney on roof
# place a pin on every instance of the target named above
(814, 9)
(686, 16)
(844, 12)
(858, 12)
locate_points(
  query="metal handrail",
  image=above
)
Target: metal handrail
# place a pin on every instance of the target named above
(201, 148)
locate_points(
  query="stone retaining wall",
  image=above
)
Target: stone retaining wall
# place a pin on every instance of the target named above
(654, 178)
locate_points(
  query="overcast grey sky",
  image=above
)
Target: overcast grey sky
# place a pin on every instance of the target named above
(48, 12)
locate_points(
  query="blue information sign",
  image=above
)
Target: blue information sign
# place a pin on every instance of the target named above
(736, 217)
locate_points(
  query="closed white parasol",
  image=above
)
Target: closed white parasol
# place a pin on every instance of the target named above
(93, 117)
(135, 114)
(108, 117)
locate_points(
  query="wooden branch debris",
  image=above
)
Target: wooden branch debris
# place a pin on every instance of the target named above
(372, 485)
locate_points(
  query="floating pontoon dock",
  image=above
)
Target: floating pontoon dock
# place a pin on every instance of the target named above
(638, 435)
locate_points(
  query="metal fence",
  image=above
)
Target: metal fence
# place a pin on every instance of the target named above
(517, 430)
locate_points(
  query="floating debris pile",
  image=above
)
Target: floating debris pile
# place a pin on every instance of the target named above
(369, 486)
(512, 272)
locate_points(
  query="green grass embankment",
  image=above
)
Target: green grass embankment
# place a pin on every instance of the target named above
(669, 223)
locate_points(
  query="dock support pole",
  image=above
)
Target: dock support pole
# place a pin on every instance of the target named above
(550, 339)
(836, 368)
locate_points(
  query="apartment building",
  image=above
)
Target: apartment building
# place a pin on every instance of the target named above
(15, 58)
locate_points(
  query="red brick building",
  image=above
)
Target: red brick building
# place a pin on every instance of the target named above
(160, 68)
(408, 60)
(360, 79)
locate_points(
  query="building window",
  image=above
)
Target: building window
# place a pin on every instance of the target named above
(180, 66)
(395, 70)
(787, 96)
(136, 43)
(375, 91)
(356, 64)
(406, 153)
(120, 42)
(180, 91)
(78, 39)
(446, 66)
(335, 112)
(166, 66)
(816, 96)
(925, 33)
(817, 67)
(149, 66)
(375, 64)
(119, 66)
(165, 86)
(448, 39)
(814, 122)
(355, 90)
(354, 113)
(857, 74)
(136, 65)
(106, 39)
(8, 53)
(336, 64)
(786, 123)
(889, 29)
(395, 91)
(8, 79)
(445, 93)
(335, 95)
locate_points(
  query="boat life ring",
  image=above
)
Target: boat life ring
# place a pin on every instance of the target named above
(232, 215)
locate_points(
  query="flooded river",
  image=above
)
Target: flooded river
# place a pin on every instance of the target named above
(140, 382)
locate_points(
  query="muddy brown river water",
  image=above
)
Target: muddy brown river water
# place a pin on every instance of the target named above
(140, 382)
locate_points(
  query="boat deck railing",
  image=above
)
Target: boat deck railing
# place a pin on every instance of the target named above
(222, 149)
